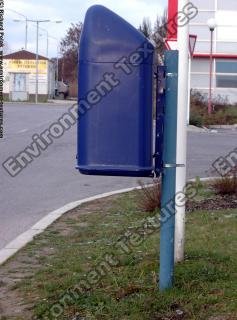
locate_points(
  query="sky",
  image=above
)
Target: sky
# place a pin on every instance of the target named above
(69, 11)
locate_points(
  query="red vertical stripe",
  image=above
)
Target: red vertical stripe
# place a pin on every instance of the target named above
(172, 19)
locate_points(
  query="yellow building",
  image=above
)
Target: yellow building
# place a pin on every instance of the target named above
(19, 72)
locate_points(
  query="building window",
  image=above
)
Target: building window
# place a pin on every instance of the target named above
(226, 81)
(226, 67)
(226, 74)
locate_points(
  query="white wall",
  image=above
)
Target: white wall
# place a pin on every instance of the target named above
(225, 34)
(42, 84)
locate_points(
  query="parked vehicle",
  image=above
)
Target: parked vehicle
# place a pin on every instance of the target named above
(61, 90)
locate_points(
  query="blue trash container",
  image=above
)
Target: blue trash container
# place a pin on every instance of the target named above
(115, 90)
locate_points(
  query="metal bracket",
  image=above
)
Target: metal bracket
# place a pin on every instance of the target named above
(172, 75)
(161, 81)
(160, 106)
(173, 165)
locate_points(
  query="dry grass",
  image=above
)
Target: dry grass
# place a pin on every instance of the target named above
(150, 196)
(227, 184)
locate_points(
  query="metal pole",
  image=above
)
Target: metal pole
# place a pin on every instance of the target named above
(26, 34)
(47, 45)
(37, 57)
(183, 46)
(62, 67)
(57, 67)
(189, 87)
(37, 63)
(210, 83)
(169, 173)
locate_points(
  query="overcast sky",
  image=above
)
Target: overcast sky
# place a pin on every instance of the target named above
(69, 11)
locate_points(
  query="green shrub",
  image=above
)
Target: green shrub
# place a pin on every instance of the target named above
(196, 119)
(223, 112)
(226, 115)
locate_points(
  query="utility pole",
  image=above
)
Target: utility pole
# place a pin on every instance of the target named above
(181, 159)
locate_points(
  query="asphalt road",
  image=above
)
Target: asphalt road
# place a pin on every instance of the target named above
(52, 181)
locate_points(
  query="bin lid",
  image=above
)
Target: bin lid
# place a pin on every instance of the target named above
(107, 38)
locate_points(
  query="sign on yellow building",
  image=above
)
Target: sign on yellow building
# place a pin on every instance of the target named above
(29, 66)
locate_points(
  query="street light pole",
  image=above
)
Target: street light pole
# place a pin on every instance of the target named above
(37, 57)
(26, 24)
(47, 45)
(210, 80)
(212, 25)
(57, 65)
(37, 63)
(26, 34)
(57, 61)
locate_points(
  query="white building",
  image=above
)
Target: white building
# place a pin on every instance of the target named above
(19, 72)
(224, 48)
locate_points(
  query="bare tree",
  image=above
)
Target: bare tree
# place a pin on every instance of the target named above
(146, 28)
(160, 32)
(69, 49)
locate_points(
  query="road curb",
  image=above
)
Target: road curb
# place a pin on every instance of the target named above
(26, 237)
(23, 239)
(226, 126)
(48, 103)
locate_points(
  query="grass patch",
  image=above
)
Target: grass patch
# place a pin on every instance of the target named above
(205, 283)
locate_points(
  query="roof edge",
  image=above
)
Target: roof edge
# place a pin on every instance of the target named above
(23, 55)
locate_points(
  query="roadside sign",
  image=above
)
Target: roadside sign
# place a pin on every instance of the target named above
(192, 43)
(172, 44)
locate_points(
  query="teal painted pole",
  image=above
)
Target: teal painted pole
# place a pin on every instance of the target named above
(167, 231)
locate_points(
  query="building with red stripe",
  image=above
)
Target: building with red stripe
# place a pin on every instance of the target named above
(224, 46)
